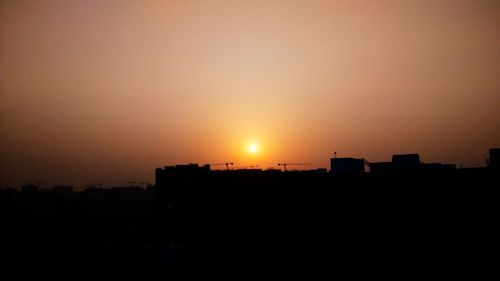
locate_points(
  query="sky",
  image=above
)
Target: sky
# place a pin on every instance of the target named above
(106, 91)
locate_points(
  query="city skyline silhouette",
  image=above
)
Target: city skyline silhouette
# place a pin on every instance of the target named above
(338, 165)
(194, 222)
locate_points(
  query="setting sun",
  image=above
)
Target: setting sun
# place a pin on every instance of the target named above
(253, 148)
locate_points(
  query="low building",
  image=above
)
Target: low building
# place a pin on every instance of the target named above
(438, 167)
(381, 167)
(177, 173)
(406, 161)
(347, 165)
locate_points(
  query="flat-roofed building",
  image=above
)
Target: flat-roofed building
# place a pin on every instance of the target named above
(347, 165)
(406, 161)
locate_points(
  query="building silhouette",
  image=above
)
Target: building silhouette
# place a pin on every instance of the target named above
(247, 223)
(381, 167)
(406, 161)
(494, 160)
(179, 173)
(347, 165)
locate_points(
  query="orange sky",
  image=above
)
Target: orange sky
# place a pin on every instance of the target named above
(106, 91)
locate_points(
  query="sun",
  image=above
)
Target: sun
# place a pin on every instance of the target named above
(253, 148)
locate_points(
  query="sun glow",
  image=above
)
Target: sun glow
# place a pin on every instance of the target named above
(253, 148)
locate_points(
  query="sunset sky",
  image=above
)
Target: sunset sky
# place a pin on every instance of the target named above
(106, 91)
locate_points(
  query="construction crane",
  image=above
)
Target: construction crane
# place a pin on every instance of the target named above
(226, 164)
(292, 164)
(249, 167)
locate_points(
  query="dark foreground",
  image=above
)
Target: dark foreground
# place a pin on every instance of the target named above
(253, 225)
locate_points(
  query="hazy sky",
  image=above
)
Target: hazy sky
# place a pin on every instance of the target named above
(106, 91)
